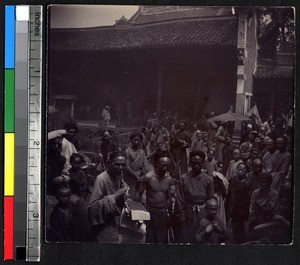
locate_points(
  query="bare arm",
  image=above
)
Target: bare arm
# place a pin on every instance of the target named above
(143, 186)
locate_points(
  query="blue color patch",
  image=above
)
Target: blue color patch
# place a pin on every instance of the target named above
(10, 29)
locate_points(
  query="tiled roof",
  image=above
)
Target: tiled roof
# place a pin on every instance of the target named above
(274, 72)
(220, 33)
(153, 14)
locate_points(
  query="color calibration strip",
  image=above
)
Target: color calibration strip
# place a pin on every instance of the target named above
(21, 128)
(22, 139)
(9, 132)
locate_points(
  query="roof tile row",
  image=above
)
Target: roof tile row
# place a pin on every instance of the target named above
(190, 33)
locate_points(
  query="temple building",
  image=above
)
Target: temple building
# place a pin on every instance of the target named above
(189, 60)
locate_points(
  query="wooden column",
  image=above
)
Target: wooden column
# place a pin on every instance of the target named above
(159, 88)
(198, 99)
(240, 90)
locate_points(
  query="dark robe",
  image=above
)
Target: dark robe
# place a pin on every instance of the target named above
(237, 207)
(178, 150)
(194, 191)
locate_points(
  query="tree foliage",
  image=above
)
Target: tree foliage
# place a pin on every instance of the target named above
(276, 31)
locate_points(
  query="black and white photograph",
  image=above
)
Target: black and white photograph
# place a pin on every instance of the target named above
(170, 124)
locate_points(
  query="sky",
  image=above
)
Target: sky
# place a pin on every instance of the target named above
(82, 16)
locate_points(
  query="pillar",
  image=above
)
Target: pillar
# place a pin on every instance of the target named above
(240, 89)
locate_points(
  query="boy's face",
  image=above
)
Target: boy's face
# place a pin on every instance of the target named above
(63, 196)
(254, 154)
(71, 133)
(57, 146)
(270, 145)
(257, 166)
(211, 210)
(106, 137)
(76, 163)
(181, 127)
(241, 170)
(236, 154)
(265, 184)
(228, 140)
(136, 141)
(263, 130)
(281, 144)
(210, 155)
(252, 135)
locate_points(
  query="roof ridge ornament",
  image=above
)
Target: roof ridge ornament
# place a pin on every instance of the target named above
(123, 22)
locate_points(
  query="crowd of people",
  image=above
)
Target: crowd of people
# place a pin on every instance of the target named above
(198, 186)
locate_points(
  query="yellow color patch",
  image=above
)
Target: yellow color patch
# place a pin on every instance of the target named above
(9, 164)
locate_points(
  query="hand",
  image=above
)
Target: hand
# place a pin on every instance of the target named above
(209, 229)
(120, 193)
(217, 227)
(60, 179)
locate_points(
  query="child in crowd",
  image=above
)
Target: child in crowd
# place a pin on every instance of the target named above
(60, 229)
(212, 229)
(232, 167)
(75, 171)
(211, 163)
(237, 204)
(81, 229)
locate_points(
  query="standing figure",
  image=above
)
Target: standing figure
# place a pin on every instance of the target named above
(268, 158)
(246, 146)
(195, 188)
(227, 153)
(232, 167)
(211, 163)
(253, 176)
(181, 141)
(107, 200)
(137, 165)
(237, 204)
(157, 184)
(281, 164)
(220, 141)
(107, 146)
(106, 114)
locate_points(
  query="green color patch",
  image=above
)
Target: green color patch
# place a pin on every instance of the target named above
(9, 100)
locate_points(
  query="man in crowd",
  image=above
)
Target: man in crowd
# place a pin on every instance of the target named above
(268, 158)
(227, 153)
(107, 146)
(282, 162)
(245, 147)
(181, 141)
(68, 134)
(253, 176)
(158, 185)
(195, 188)
(107, 199)
(136, 162)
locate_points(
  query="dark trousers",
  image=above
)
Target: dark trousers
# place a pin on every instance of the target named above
(157, 226)
(239, 228)
(193, 219)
